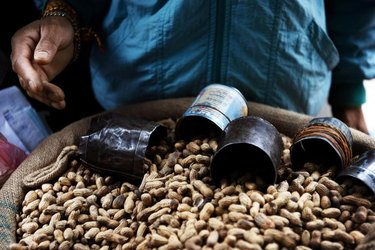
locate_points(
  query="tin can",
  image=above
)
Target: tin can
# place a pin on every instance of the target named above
(116, 144)
(325, 141)
(214, 107)
(361, 169)
(248, 145)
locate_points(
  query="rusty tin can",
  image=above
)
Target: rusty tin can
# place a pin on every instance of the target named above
(325, 141)
(215, 106)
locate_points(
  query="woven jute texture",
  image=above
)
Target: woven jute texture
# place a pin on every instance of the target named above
(49, 160)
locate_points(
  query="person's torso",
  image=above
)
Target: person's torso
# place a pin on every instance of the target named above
(275, 52)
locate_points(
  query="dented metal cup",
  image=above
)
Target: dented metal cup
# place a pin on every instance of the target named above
(325, 141)
(362, 169)
(251, 145)
(212, 110)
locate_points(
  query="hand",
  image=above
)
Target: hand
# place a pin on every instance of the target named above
(40, 51)
(351, 116)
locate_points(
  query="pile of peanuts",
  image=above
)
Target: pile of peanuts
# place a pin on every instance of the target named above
(178, 206)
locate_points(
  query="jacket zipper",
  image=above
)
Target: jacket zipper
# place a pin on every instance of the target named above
(218, 41)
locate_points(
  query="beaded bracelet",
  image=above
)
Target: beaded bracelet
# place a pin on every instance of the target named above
(61, 8)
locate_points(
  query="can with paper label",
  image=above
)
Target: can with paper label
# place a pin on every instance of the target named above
(214, 107)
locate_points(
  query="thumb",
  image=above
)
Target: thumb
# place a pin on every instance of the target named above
(46, 50)
(56, 33)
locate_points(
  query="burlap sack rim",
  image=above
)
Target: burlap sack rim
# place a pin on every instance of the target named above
(12, 192)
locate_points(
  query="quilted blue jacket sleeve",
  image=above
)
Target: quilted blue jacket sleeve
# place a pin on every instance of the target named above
(351, 26)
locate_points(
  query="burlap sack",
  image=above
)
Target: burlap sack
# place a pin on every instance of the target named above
(41, 163)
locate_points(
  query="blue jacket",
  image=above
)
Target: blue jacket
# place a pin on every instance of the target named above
(275, 52)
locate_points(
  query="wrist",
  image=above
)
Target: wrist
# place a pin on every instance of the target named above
(81, 34)
(59, 8)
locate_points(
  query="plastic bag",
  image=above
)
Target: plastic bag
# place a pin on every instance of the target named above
(19, 121)
(117, 144)
(11, 157)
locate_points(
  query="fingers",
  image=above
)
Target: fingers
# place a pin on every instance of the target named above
(23, 43)
(28, 76)
(40, 51)
(362, 126)
(44, 92)
(351, 116)
(51, 95)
